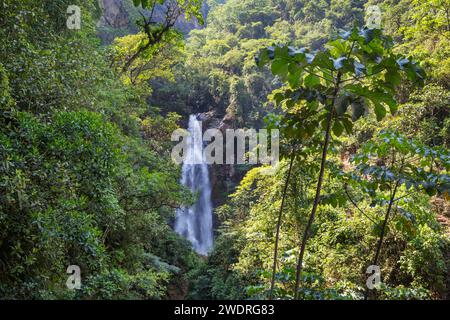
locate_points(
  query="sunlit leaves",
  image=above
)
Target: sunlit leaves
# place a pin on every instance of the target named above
(358, 67)
(311, 81)
(376, 161)
(338, 47)
(279, 68)
(380, 111)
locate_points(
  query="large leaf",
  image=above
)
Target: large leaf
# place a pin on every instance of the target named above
(348, 125)
(280, 67)
(338, 48)
(338, 128)
(311, 81)
(380, 111)
(358, 109)
(342, 103)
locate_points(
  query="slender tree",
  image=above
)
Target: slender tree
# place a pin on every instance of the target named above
(280, 216)
(401, 167)
(357, 71)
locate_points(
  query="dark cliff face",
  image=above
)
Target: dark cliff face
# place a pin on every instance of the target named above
(224, 177)
(119, 17)
(116, 20)
(114, 15)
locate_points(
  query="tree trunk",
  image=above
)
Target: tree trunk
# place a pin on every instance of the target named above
(277, 237)
(315, 205)
(383, 231)
(319, 184)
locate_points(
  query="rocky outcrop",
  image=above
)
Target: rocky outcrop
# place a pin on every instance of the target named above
(119, 17)
(114, 14)
(224, 178)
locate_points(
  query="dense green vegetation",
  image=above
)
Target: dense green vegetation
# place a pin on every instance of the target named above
(80, 183)
(86, 176)
(392, 222)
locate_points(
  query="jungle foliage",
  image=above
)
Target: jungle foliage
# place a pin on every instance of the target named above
(80, 184)
(86, 177)
(363, 114)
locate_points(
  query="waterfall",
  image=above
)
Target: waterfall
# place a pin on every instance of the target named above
(195, 223)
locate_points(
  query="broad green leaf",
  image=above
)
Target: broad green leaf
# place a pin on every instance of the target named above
(311, 80)
(297, 55)
(380, 111)
(341, 104)
(337, 48)
(358, 109)
(338, 128)
(279, 67)
(324, 124)
(322, 60)
(294, 68)
(392, 77)
(294, 79)
(263, 58)
(348, 125)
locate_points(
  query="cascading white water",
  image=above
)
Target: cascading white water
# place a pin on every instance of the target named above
(195, 223)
